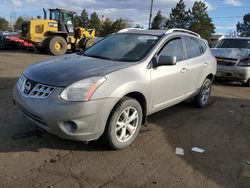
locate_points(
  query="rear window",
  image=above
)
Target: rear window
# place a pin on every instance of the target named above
(203, 46)
(234, 43)
(193, 47)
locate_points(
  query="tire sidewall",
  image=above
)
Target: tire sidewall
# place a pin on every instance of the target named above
(52, 45)
(113, 142)
(200, 102)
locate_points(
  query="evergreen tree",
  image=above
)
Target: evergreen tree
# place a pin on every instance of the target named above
(18, 23)
(4, 24)
(178, 17)
(119, 24)
(244, 28)
(84, 18)
(157, 21)
(200, 21)
(107, 28)
(95, 23)
(77, 21)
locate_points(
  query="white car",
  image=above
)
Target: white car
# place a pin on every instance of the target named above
(233, 59)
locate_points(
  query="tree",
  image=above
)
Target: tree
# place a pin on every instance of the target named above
(200, 21)
(77, 21)
(4, 24)
(244, 28)
(95, 23)
(107, 28)
(157, 21)
(178, 17)
(119, 24)
(84, 17)
(18, 24)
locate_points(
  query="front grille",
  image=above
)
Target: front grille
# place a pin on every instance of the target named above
(226, 62)
(41, 91)
(33, 89)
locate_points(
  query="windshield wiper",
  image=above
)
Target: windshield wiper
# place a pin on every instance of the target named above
(97, 56)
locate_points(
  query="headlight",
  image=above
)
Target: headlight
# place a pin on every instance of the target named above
(82, 90)
(244, 63)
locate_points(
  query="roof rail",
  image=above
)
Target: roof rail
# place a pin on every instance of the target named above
(182, 30)
(127, 29)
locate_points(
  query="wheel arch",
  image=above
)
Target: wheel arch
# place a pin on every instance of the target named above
(210, 77)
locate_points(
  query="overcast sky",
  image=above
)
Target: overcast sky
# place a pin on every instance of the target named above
(225, 13)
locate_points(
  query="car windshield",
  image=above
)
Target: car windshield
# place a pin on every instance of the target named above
(123, 47)
(234, 43)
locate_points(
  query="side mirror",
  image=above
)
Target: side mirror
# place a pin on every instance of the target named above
(166, 60)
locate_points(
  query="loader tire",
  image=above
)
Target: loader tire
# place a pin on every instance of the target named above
(57, 46)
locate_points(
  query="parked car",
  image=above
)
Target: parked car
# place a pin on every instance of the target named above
(109, 89)
(11, 41)
(233, 58)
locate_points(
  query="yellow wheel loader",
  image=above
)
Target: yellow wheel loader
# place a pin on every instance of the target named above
(57, 34)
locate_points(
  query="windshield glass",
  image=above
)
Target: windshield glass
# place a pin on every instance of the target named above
(234, 43)
(123, 47)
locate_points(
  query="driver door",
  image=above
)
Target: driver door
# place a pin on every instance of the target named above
(168, 82)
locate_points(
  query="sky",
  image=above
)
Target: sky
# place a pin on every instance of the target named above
(224, 13)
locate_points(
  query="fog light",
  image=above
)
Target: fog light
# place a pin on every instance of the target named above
(70, 126)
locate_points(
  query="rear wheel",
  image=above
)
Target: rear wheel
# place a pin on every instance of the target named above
(201, 99)
(57, 45)
(247, 84)
(124, 124)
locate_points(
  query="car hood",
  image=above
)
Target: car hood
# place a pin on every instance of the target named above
(67, 69)
(231, 53)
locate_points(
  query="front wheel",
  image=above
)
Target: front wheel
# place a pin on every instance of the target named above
(57, 45)
(201, 99)
(124, 123)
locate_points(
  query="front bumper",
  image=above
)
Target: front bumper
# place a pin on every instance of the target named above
(81, 121)
(235, 73)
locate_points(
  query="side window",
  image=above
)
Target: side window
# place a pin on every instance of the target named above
(192, 46)
(203, 46)
(173, 48)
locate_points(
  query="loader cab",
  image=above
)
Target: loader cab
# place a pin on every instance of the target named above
(65, 19)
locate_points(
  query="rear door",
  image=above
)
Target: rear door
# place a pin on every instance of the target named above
(168, 82)
(196, 63)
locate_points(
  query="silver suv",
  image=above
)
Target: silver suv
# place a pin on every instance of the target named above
(109, 89)
(233, 57)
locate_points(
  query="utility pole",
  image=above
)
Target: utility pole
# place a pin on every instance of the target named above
(150, 15)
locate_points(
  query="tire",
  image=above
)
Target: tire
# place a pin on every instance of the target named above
(202, 98)
(89, 42)
(120, 132)
(247, 84)
(57, 45)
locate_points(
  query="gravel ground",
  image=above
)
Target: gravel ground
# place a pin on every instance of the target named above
(44, 160)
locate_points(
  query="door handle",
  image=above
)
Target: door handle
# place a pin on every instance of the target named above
(206, 63)
(183, 70)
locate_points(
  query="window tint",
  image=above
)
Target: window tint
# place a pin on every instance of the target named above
(193, 47)
(173, 48)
